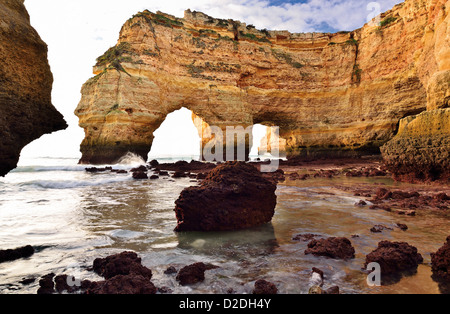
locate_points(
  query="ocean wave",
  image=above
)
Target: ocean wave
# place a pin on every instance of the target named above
(70, 184)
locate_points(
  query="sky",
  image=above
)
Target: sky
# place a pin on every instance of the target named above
(78, 31)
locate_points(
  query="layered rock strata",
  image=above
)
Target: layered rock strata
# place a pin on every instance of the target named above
(330, 94)
(421, 149)
(26, 110)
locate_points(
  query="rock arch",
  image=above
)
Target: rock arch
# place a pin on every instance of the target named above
(330, 94)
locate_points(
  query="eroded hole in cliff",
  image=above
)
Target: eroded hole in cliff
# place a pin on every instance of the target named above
(177, 137)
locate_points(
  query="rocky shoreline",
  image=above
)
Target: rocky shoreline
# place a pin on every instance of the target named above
(124, 273)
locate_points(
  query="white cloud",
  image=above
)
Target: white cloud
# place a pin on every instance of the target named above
(78, 31)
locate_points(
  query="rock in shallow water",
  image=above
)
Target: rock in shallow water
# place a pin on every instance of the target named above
(394, 258)
(340, 248)
(233, 196)
(440, 262)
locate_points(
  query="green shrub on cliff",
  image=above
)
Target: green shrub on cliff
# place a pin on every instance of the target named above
(115, 54)
(387, 21)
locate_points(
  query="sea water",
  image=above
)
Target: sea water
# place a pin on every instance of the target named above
(71, 217)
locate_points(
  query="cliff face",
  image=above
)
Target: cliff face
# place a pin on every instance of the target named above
(330, 94)
(26, 111)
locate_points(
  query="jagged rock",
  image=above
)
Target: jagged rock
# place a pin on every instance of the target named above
(394, 258)
(340, 248)
(13, 254)
(193, 274)
(123, 284)
(440, 262)
(125, 263)
(264, 287)
(26, 110)
(421, 149)
(233, 196)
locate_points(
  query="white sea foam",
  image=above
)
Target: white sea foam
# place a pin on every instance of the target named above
(69, 184)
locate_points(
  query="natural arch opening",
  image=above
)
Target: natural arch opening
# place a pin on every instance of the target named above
(176, 138)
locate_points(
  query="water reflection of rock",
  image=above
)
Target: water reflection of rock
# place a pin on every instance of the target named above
(234, 245)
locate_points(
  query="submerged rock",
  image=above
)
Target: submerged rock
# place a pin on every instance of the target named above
(340, 248)
(193, 274)
(13, 254)
(233, 196)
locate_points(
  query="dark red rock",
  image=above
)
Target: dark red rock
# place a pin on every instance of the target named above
(305, 237)
(402, 226)
(154, 177)
(263, 287)
(361, 203)
(170, 270)
(394, 257)
(193, 274)
(125, 263)
(233, 196)
(331, 290)
(154, 163)
(123, 284)
(13, 254)
(46, 284)
(139, 169)
(440, 263)
(139, 175)
(340, 248)
(379, 228)
(179, 174)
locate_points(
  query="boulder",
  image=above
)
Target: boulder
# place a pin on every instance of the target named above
(340, 248)
(233, 196)
(394, 258)
(440, 263)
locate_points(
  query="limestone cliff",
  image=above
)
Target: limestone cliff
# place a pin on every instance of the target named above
(421, 150)
(26, 111)
(330, 94)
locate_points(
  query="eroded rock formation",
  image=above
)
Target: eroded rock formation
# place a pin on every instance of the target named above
(421, 149)
(233, 196)
(26, 111)
(330, 94)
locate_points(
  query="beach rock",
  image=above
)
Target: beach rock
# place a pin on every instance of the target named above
(13, 254)
(440, 262)
(139, 175)
(125, 263)
(402, 226)
(154, 177)
(46, 284)
(332, 290)
(394, 258)
(170, 270)
(305, 237)
(26, 110)
(339, 248)
(179, 174)
(123, 284)
(233, 196)
(139, 169)
(193, 274)
(361, 203)
(379, 228)
(264, 287)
